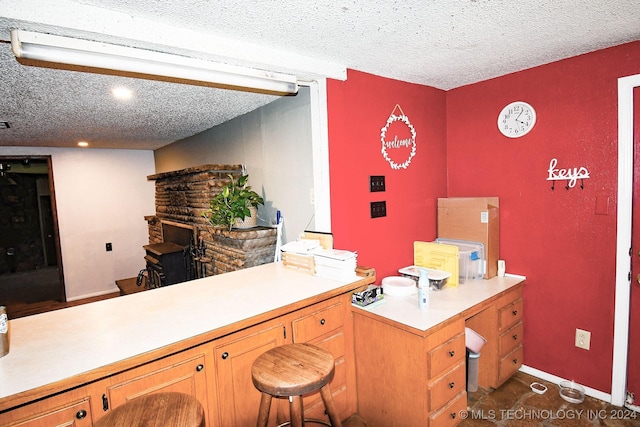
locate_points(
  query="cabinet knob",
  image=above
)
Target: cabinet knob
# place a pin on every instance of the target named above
(81, 414)
(452, 353)
(514, 312)
(322, 321)
(452, 384)
(515, 337)
(200, 367)
(225, 355)
(453, 415)
(515, 361)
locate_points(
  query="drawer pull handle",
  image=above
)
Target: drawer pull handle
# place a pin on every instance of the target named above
(452, 384)
(200, 367)
(322, 321)
(81, 414)
(225, 355)
(515, 337)
(514, 312)
(453, 415)
(452, 353)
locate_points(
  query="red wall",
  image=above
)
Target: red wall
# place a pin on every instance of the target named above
(555, 238)
(357, 111)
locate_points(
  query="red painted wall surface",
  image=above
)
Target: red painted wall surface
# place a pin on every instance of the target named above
(555, 238)
(357, 111)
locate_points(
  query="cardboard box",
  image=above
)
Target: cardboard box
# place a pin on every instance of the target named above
(475, 219)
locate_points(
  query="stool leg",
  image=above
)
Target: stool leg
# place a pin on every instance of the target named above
(263, 412)
(296, 413)
(325, 392)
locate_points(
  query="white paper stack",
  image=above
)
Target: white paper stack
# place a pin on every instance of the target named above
(335, 264)
(301, 246)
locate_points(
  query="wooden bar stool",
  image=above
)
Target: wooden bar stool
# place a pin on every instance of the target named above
(290, 371)
(156, 410)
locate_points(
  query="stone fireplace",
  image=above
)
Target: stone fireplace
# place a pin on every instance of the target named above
(181, 197)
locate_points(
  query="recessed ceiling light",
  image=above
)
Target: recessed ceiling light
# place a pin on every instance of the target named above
(83, 144)
(121, 92)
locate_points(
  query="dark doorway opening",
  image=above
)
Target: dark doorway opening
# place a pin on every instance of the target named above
(30, 263)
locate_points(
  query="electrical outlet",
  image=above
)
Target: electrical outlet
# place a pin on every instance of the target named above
(583, 339)
(378, 209)
(376, 183)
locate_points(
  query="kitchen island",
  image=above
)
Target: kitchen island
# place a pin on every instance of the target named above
(81, 358)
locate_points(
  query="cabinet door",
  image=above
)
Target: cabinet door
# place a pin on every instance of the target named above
(238, 399)
(183, 372)
(67, 409)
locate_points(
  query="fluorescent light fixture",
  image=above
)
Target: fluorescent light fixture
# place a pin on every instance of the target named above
(70, 51)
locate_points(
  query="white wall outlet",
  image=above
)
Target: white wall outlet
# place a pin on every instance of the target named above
(583, 339)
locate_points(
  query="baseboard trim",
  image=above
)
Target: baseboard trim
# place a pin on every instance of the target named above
(606, 397)
(95, 294)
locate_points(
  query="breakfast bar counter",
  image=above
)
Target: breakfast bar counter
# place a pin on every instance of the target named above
(59, 350)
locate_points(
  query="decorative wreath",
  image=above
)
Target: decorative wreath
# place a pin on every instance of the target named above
(383, 132)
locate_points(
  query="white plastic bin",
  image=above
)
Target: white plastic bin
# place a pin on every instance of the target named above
(473, 359)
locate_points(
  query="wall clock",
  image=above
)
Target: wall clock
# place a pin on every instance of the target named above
(516, 119)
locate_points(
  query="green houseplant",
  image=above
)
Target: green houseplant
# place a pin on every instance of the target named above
(232, 203)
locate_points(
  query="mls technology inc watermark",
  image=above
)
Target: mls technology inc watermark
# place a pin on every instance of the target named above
(544, 414)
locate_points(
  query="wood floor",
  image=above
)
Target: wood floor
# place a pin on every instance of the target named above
(33, 292)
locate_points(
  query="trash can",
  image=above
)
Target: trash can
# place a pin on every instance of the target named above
(474, 342)
(472, 370)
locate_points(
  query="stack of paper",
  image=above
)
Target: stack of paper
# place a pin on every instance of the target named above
(335, 264)
(301, 246)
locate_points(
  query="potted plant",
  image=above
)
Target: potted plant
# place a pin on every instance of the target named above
(233, 204)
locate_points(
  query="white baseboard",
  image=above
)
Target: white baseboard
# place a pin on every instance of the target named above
(555, 379)
(95, 294)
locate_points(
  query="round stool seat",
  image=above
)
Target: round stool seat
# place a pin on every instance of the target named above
(156, 410)
(293, 370)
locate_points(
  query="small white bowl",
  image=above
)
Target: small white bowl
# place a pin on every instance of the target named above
(571, 391)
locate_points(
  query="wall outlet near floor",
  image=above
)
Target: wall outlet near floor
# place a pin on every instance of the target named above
(583, 339)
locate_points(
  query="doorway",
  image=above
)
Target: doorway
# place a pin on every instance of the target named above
(30, 264)
(624, 354)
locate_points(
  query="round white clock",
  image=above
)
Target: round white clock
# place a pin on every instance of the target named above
(516, 119)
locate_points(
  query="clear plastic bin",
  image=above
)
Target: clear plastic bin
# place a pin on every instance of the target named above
(471, 258)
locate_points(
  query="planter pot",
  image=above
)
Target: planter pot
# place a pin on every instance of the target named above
(248, 222)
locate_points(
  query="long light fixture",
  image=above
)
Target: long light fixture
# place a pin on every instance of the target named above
(85, 53)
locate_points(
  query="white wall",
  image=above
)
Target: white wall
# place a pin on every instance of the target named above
(102, 196)
(274, 143)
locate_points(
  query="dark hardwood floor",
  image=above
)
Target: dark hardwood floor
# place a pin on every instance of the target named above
(31, 292)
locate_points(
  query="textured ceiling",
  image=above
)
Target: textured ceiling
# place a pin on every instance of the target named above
(439, 43)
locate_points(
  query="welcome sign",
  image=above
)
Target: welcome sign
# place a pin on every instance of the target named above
(398, 138)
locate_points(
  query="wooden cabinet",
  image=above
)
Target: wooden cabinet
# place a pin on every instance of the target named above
(68, 409)
(501, 324)
(237, 398)
(407, 377)
(185, 372)
(328, 324)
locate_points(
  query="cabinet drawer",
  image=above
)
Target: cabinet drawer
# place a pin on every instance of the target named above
(447, 387)
(511, 338)
(446, 356)
(450, 414)
(510, 363)
(337, 386)
(510, 314)
(77, 414)
(316, 324)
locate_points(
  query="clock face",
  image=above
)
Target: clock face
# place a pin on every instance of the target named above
(516, 119)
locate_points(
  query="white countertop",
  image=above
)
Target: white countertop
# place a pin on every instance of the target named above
(57, 345)
(443, 304)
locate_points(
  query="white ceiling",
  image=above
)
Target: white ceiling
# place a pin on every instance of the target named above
(439, 43)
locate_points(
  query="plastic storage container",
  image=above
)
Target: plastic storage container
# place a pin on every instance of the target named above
(471, 258)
